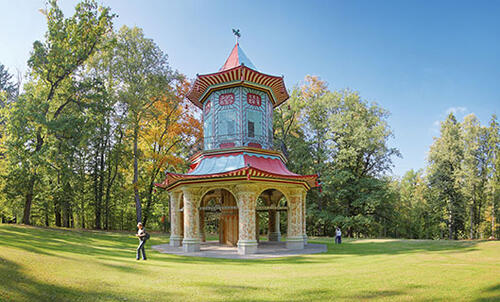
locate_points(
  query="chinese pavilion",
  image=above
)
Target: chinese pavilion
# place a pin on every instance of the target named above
(237, 175)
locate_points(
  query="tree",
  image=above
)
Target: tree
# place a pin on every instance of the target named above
(344, 139)
(166, 130)
(473, 170)
(143, 71)
(68, 43)
(445, 158)
(7, 88)
(493, 186)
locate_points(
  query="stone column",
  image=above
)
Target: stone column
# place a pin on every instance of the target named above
(175, 219)
(274, 226)
(246, 198)
(202, 226)
(191, 242)
(304, 230)
(257, 229)
(294, 238)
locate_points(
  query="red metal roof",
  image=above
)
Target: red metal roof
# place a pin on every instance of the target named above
(269, 165)
(237, 58)
(255, 167)
(241, 75)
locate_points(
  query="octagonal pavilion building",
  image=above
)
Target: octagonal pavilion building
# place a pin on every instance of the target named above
(237, 174)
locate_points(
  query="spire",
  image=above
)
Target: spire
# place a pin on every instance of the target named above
(237, 58)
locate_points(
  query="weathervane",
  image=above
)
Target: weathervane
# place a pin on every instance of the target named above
(236, 32)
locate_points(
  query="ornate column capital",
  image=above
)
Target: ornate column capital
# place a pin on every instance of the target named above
(192, 194)
(300, 191)
(175, 197)
(246, 195)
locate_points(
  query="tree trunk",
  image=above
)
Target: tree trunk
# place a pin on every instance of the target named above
(472, 221)
(57, 212)
(138, 209)
(450, 225)
(46, 214)
(31, 183)
(101, 178)
(82, 209)
(97, 206)
(493, 218)
(149, 202)
(29, 200)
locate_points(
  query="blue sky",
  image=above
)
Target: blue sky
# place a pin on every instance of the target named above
(418, 59)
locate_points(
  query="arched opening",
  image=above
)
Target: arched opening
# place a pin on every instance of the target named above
(271, 215)
(219, 216)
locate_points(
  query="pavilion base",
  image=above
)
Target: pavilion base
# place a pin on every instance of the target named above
(190, 245)
(274, 236)
(266, 249)
(246, 247)
(175, 241)
(295, 243)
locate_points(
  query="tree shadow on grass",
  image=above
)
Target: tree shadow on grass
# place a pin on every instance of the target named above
(119, 246)
(17, 286)
(53, 242)
(243, 292)
(367, 247)
(491, 293)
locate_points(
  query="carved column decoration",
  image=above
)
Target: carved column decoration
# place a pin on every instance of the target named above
(246, 197)
(191, 242)
(175, 219)
(304, 229)
(295, 239)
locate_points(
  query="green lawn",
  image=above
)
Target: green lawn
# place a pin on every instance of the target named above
(39, 264)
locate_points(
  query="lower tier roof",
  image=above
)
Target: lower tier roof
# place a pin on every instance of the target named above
(240, 165)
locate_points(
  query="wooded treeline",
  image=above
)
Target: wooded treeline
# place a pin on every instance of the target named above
(98, 120)
(101, 115)
(344, 139)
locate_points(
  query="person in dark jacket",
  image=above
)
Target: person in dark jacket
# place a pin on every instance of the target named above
(141, 234)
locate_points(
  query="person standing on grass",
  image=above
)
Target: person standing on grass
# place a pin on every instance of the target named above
(142, 235)
(338, 236)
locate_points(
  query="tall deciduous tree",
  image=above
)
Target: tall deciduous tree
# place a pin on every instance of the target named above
(145, 76)
(54, 62)
(473, 170)
(445, 159)
(493, 186)
(345, 140)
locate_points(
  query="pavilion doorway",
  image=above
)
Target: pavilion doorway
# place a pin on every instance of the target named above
(219, 215)
(271, 214)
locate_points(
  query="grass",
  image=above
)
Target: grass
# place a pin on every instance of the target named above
(38, 264)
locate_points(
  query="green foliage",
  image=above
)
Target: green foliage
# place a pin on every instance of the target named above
(445, 158)
(344, 139)
(80, 143)
(102, 114)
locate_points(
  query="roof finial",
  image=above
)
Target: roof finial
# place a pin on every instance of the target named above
(236, 32)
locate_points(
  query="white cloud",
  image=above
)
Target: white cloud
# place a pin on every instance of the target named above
(456, 110)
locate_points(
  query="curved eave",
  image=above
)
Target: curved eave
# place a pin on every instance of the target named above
(274, 86)
(174, 180)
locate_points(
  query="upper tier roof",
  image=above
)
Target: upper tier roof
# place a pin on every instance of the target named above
(238, 70)
(237, 58)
